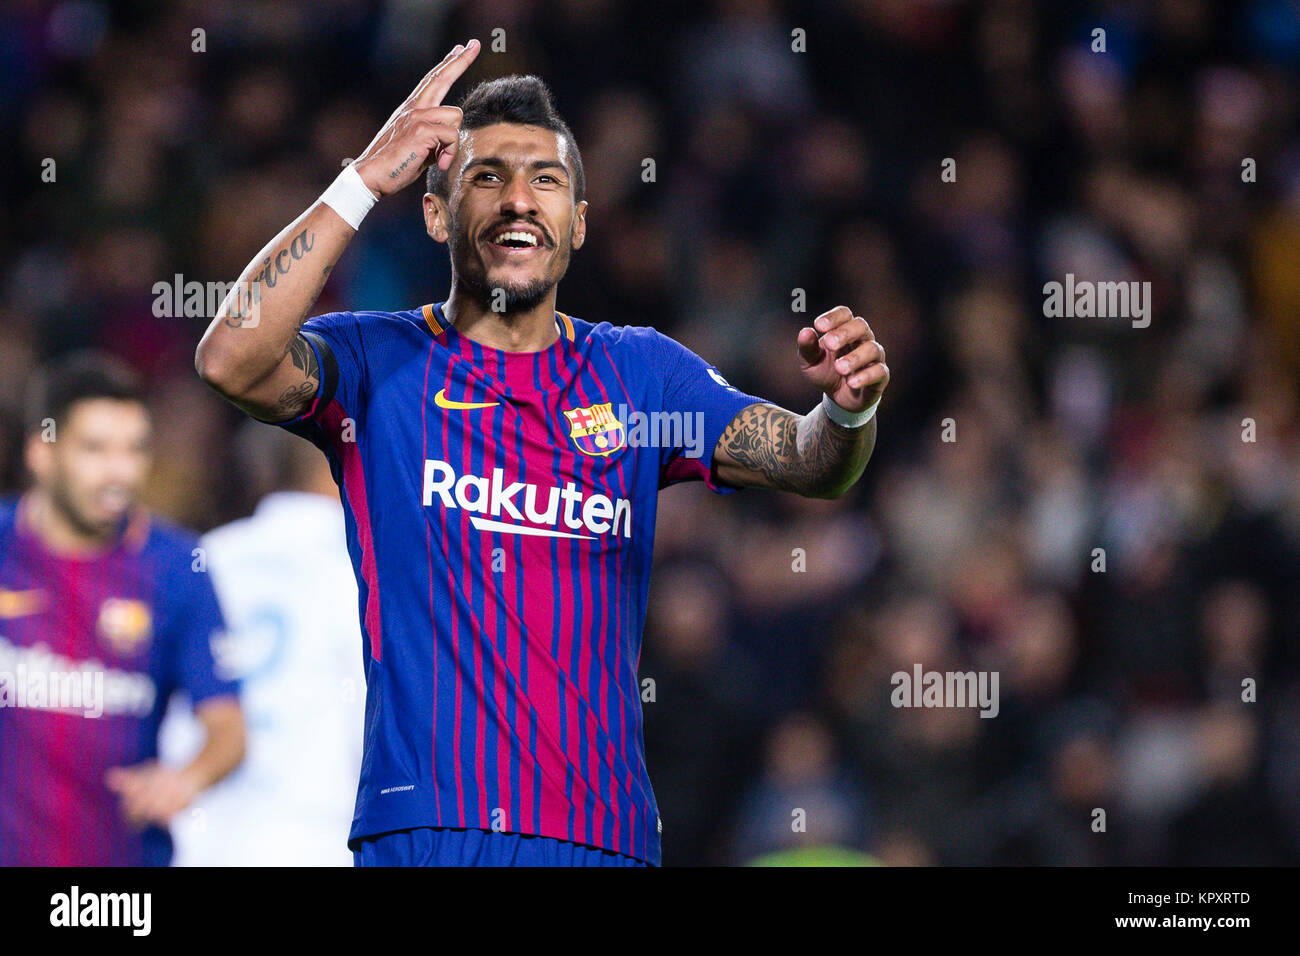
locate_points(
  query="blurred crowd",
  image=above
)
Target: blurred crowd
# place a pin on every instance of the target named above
(1113, 523)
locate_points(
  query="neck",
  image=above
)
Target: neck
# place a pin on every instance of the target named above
(525, 331)
(59, 532)
(319, 483)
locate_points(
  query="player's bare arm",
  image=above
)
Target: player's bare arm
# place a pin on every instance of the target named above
(154, 793)
(259, 361)
(766, 446)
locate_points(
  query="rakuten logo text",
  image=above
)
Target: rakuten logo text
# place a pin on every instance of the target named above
(492, 498)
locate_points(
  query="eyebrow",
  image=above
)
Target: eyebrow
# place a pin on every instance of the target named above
(496, 162)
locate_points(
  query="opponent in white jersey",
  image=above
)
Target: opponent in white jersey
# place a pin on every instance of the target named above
(290, 599)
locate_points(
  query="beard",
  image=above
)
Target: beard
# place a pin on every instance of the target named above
(65, 503)
(513, 297)
(471, 276)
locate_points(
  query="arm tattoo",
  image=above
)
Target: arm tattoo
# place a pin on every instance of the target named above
(807, 454)
(273, 268)
(303, 357)
(292, 399)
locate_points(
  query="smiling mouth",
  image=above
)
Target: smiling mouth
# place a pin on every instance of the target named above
(516, 242)
(112, 500)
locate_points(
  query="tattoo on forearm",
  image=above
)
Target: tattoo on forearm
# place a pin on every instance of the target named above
(279, 265)
(807, 454)
(273, 268)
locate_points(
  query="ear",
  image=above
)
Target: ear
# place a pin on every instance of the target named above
(579, 230)
(437, 217)
(38, 455)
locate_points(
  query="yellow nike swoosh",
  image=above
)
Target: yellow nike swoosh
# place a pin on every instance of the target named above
(20, 603)
(442, 401)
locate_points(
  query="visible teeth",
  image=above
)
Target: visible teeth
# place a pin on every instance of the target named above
(527, 237)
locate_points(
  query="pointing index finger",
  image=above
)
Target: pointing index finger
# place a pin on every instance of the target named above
(435, 86)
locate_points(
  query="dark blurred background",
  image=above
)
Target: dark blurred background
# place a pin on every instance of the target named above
(820, 170)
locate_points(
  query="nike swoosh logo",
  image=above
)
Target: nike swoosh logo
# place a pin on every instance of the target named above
(20, 603)
(442, 401)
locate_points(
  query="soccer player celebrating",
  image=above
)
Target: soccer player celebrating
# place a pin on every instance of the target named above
(500, 502)
(102, 616)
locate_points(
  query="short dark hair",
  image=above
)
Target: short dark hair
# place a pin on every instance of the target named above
(78, 377)
(514, 99)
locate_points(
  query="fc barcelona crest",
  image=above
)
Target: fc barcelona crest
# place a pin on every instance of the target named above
(125, 625)
(595, 430)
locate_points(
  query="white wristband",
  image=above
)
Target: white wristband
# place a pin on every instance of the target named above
(349, 196)
(846, 418)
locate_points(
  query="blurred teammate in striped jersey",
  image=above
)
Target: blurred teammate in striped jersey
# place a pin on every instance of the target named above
(103, 614)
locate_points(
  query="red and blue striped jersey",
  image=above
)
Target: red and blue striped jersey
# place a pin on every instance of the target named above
(500, 515)
(90, 651)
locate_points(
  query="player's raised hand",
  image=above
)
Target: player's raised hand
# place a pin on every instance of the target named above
(840, 355)
(420, 131)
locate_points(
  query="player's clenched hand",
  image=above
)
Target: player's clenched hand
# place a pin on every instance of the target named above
(150, 792)
(841, 356)
(420, 131)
